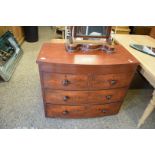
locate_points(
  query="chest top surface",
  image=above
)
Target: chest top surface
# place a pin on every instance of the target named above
(55, 53)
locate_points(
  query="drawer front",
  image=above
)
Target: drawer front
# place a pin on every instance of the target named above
(110, 81)
(65, 81)
(86, 82)
(84, 97)
(81, 111)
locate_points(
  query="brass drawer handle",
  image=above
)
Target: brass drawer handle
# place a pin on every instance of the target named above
(113, 82)
(66, 98)
(66, 82)
(108, 97)
(65, 112)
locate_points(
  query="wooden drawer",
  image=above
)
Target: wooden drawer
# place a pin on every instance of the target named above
(86, 82)
(84, 97)
(81, 111)
(110, 81)
(65, 81)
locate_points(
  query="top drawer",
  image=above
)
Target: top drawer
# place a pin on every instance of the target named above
(112, 81)
(85, 82)
(65, 81)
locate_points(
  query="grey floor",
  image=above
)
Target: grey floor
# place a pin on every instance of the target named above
(21, 103)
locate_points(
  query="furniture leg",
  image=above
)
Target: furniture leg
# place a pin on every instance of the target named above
(147, 111)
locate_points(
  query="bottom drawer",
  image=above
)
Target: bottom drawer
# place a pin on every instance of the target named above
(82, 111)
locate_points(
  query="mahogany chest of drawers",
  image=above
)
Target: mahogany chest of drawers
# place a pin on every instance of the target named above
(81, 85)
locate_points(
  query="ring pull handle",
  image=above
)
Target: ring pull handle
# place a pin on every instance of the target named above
(65, 112)
(104, 111)
(66, 98)
(113, 82)
(66, 82)
(108, 97)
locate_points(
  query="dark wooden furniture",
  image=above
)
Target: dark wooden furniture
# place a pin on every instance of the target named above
(141, 30)
(152, 32)
(81, 85)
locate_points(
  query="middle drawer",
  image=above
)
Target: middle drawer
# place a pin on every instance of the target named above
(84, 97)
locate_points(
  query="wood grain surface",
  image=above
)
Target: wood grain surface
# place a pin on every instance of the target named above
(81, 111)
(86, 82)
(84, 97)
(81, 85)
(56, 54)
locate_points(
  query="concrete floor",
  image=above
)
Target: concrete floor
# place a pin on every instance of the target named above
(21, 103)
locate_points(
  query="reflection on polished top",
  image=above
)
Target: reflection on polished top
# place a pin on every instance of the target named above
(85, 59)
(56, 53)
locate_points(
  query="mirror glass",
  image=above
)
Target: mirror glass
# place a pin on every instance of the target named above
(92, 31)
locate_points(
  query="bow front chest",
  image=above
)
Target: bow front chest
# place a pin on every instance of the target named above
(83, 85)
